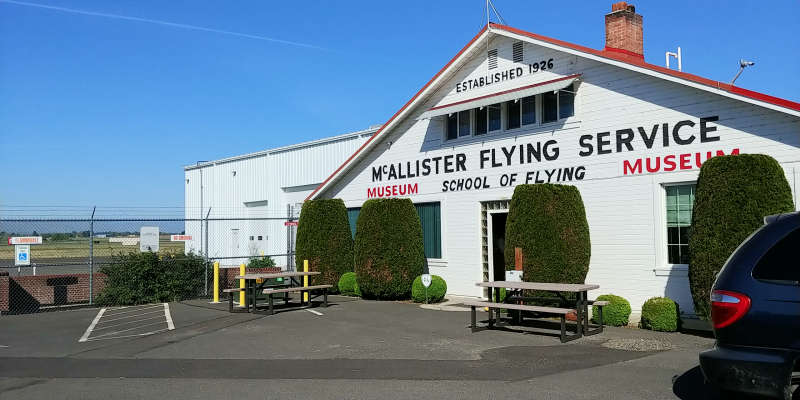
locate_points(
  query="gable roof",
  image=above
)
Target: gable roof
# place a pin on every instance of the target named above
(611, 56)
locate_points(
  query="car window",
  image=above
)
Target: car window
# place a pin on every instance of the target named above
(781, 261)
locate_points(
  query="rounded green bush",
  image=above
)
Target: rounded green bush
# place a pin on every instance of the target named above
(616, 313)
(324, 239)
(660, 314)
(389, 251)
(548, 222)
(348, 285)
(733, 195)
(436, 290)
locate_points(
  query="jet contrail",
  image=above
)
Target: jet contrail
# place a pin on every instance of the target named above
(159, 22)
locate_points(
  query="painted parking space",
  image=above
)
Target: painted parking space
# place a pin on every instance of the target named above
(128, 322)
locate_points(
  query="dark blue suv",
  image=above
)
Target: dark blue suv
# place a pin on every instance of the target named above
(755, 310)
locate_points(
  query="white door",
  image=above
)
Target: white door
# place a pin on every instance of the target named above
(233, 246)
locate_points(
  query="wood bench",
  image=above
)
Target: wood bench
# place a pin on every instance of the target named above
(599, 304)
(520, 307)
(270, 292)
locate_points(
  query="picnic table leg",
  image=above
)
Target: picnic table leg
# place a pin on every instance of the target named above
(580, 304)
(325, 296)
(271, 305)
(489, 309)
(473, 323)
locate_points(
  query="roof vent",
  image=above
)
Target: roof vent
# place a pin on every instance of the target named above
(517, 50)
(492, 56)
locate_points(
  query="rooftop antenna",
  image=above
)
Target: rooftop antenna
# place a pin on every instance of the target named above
(742, 65)
(490, 7)
(676, 55)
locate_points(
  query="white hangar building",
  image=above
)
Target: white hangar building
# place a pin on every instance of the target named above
(514, 107)
(237, 194)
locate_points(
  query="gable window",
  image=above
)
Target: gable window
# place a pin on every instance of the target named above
(680, 199)
(541, 108)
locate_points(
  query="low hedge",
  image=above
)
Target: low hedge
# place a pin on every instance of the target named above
(660, 314)
(141, 278)
(436, 290)
(348, 285)
(260, 262)
(616, 313)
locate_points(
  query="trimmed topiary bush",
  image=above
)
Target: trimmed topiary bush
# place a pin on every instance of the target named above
(734, 194)
(616, 313)
(389, 251)
(548, 222)
(348, 285)
(660, 314)
(436, 290)
(324, 239)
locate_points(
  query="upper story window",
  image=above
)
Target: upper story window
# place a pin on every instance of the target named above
(514, 114)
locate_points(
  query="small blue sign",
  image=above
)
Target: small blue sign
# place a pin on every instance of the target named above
(23, 256)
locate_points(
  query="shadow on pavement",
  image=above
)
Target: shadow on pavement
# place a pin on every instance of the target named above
(691, 385)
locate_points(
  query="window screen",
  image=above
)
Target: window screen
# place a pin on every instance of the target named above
(452, 126)
(549, 107)
(680, 199)
(780, 262)
(494, 117)
(480, 120)
(528, 110)
(512, 114)
(463, 123)
(566, 102)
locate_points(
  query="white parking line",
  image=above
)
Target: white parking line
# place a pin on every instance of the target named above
(168, 316)
(94, 322)
(314, 312)
(134, 316)
(5, 347)
(96, 329)
(129, 336)
(131, 311)
(126, 330)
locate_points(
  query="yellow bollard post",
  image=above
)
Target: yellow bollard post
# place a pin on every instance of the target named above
(216, 281)
(305, 280)
(241, 286)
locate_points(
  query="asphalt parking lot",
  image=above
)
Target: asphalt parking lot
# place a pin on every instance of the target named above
(352, 349)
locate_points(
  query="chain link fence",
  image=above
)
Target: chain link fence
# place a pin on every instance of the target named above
(66, 269)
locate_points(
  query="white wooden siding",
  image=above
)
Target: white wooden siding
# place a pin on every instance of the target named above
(624, 211)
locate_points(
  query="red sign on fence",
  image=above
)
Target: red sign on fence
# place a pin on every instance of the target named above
(290, 223)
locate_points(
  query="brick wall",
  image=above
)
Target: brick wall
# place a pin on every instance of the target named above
(624, 29)
(29, 293)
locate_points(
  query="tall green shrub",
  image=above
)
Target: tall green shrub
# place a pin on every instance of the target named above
(389, 251)
(324, 239)
(734, 194)
(140, 278)
(548, 222)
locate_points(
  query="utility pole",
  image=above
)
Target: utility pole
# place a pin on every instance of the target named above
(91, 257)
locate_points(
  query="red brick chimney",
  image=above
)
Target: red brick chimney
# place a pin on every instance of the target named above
(624, 30)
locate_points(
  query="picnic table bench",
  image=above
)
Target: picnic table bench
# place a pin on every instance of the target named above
(516, 302)
(253, 286)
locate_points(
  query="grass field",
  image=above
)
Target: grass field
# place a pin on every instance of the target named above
(80, 248)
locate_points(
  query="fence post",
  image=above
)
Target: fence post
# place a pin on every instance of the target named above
(205, 285)
(91, 258)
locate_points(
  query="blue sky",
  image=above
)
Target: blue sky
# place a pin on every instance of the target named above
(106, 111)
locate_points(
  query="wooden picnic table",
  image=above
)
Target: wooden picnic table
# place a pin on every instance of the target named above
(252, 286)
(581, 302)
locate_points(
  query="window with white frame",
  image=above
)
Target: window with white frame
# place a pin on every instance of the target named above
(526, 112)
(679, 202)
